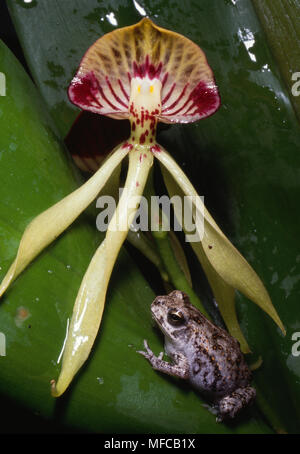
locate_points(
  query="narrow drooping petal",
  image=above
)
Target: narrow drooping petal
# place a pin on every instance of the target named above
(220, 252)
(52, 222)
(89, 305)
(224, 293)
(144, 50)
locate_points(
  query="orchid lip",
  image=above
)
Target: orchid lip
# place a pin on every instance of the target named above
(146, 51)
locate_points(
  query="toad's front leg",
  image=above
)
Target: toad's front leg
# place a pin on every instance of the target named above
(179, 367)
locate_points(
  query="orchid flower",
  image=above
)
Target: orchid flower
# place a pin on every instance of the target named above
(146, 74)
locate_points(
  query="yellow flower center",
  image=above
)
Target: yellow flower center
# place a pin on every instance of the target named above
(144, 108)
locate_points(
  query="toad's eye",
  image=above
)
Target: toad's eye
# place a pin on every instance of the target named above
(175, 317)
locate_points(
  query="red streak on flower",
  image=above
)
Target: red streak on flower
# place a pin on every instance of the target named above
(142, 117)
(205, 98)
(117, 98)
(155, 148)
(127, 145)
(83, 92)
(179, 97)
(165, 79)
(142, 138)
(123, 90)
(168, 94)
(147, 69)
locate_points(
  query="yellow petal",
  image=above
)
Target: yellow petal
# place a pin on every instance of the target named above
(224, 294)
(225, 297)
(220, 252)
(89, 304)
(180, 257)
(52, 222)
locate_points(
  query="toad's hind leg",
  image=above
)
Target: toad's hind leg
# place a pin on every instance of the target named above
(232, 404)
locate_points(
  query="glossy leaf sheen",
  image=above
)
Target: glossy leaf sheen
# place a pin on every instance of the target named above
(117, 390)
(244, 160)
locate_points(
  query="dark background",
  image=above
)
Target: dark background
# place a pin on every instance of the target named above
(7, 33)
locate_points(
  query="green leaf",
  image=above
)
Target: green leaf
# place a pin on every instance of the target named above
(244, 159)
(117, 390)
(280, 21)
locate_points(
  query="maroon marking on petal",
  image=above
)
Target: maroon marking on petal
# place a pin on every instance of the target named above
(146, 69)
(194, 112)
(119, 100)
(133, 126)
(104, 96)
(164, 79)
(127, 145)
(123, 90)
(168, 94)
(204, 101)
(153, 125)
(82, 91)
(136, 70)
(137, 184)
(188, 110)
(154, 72)
(155, 148)
(180, 108)
(206, 98)
(142, 138)
(179, 97)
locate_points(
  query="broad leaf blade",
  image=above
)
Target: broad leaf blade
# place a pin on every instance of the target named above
(117, 390)
(244, 159)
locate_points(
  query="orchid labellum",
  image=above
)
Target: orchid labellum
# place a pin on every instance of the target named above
(145, 74)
